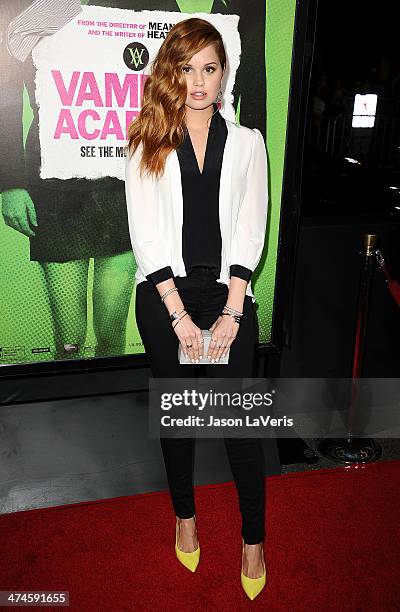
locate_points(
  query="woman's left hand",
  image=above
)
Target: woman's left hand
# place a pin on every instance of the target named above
(224, 331)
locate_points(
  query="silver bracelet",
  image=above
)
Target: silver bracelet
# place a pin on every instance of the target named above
(175, 315)
(168, 292)
(237, 318)
(180, 319)
(233, 311)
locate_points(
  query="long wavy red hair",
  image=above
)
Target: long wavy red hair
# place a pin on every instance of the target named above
(159, 126)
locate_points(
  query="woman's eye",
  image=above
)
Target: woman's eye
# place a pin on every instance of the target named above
(208, 69)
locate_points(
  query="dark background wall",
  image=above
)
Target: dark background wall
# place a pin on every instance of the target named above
(355, 51)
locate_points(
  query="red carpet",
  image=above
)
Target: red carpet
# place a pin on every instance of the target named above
(333, 544)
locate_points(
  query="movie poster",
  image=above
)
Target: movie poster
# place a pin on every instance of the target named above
(71, 81)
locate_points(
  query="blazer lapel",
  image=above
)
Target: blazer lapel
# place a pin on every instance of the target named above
(225, 186)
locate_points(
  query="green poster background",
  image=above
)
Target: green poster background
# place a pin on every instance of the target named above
(25, 315)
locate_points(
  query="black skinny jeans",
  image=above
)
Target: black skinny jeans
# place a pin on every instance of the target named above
(203, 299)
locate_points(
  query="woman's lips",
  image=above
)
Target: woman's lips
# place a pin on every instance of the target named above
(198, 96)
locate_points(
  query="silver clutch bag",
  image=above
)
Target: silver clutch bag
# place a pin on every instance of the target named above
(206, 339)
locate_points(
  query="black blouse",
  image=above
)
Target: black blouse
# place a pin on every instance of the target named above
(201, 235)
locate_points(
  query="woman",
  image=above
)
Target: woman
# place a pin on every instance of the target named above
(196, 245)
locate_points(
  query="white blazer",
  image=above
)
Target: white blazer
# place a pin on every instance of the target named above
(155, 208)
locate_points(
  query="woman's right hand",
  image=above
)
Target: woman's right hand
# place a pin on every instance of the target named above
(189, 334)
(19, 211)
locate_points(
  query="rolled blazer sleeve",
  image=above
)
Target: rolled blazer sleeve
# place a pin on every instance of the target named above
(240, 272)
(145, 228)
(249, 235)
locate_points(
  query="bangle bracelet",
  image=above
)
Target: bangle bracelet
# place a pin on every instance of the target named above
(232, 314)
(164, 295)
(175, 315)
(236, 314)
(232, 310)
(236, 317)
(180, 319)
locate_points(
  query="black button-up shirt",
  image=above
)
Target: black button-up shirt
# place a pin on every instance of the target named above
(201, 235)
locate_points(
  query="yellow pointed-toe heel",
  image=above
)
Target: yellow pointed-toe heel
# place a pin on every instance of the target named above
(252, 586)
(188, 559)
